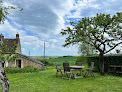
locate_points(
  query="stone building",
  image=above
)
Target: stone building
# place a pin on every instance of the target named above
(22, 60)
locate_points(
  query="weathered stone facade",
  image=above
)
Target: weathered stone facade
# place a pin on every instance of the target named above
(24, 62)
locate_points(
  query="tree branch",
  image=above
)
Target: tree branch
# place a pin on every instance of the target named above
(113, 47)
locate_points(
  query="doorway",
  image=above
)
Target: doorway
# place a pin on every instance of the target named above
(2, 64)
(18, 63)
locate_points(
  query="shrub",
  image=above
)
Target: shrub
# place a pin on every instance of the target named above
(81, 59)
(108, 60)
(13, 70)
(29, 68)
(26, 69)
(46, 62)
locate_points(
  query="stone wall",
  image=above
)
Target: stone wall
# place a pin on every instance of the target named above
(24, 62)
(11, 64)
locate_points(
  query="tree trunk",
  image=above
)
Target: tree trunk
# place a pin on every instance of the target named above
(3, 79)
(101, 63)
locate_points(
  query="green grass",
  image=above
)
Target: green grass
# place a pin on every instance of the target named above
(45, 81)
(60, 60)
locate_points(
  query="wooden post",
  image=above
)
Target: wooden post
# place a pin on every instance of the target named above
(29, 53)
(44, 52)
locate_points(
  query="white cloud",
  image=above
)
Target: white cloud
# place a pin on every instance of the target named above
(53, 40)
(6, 28)
(42, 20)
(89, 8)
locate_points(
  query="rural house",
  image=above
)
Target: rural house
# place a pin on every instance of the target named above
(22, 60)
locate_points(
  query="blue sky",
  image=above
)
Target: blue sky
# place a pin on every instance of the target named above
(42, 20)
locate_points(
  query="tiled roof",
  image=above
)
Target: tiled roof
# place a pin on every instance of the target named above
(10, 43)
(28, 58)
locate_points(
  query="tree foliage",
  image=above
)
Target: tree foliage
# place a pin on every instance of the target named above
(86, 50)
(4, 11)
(104, 32)
(100, 32)
(8, 57)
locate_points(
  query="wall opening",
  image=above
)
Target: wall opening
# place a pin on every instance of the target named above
(2, 64)
(18, 63)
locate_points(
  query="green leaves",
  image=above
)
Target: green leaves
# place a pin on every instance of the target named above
(4, 11)
(96, 31)
(11, 56)
(2, 58)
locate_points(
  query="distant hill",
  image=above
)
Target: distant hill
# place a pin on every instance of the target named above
(58, 59)
(41, 57)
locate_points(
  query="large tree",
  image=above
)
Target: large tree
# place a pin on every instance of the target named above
(104, 32)
(11, 56)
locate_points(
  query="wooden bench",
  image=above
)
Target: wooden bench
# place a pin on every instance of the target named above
(115, 69)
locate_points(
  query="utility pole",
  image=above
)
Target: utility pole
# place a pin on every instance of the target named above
(44, 52)
(29, 53)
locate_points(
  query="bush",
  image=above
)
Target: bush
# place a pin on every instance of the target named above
(81, 59)
(29, 68)
(46, 62)
(13, 70)
(108, 60)
(26, 69)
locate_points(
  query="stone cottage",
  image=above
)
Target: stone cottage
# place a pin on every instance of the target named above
(22, 60)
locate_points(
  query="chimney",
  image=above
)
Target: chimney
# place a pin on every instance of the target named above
(17, 35)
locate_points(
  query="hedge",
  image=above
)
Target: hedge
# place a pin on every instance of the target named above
(45, 61)
(108, 60)
(82, 59)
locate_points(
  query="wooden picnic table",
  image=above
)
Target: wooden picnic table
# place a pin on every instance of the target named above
(115, 68)
(77, 68)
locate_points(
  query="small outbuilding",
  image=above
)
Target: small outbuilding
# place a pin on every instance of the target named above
(22, 60)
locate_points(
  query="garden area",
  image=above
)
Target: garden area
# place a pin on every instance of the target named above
(44, 80)
(94, 35)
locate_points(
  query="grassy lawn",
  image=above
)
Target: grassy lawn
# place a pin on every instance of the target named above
(45, 81)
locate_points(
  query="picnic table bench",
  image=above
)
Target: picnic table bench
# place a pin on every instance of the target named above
(115, 69)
